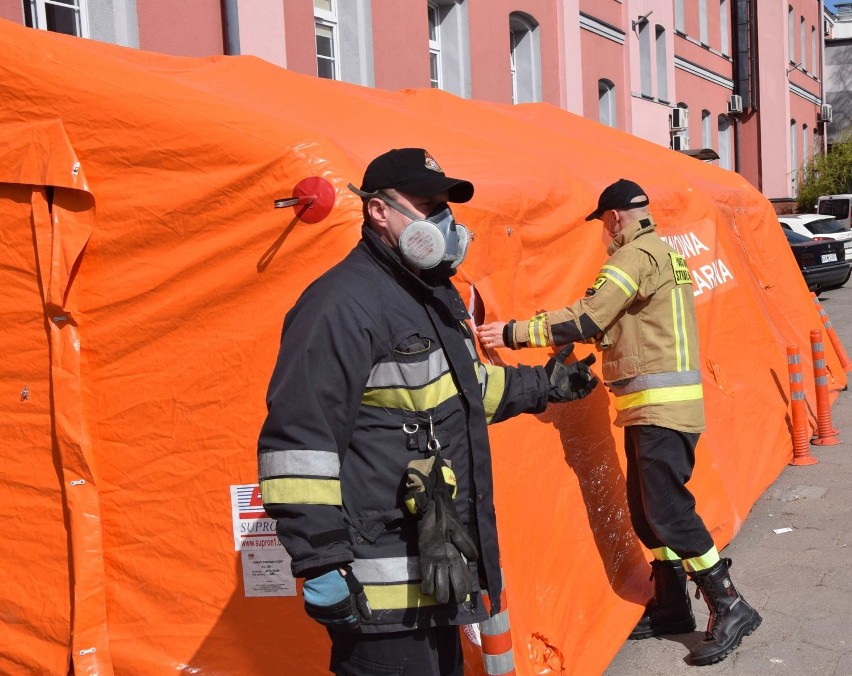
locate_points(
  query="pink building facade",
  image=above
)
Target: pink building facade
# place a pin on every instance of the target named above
(741, 77)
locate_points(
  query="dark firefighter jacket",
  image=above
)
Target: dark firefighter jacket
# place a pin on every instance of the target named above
(372, 362)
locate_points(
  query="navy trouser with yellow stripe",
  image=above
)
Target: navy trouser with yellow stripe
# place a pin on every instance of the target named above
(662, 509)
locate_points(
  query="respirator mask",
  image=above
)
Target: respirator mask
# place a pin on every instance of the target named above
(435, 243)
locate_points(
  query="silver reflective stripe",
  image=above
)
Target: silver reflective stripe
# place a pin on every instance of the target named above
(413, 374)
(797, 395)
(681, 339)
(393, 569)
(821, 380)
(499, 664)
(648, 381)
(324, 464)
(819, 363)
(795, 377)
(494, 626)
(794, 359)
(483, 378)
(471, 348)
(817, 347)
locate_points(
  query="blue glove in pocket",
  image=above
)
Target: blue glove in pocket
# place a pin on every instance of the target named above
(333, 599)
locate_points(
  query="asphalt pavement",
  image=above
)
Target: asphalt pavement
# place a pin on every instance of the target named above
(800, 580)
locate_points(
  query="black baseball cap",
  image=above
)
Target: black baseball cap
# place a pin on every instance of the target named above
(621, 195)
(415, 172)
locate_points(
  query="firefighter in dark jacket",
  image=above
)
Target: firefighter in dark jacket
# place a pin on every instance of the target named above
(374, 457)
(641, 314)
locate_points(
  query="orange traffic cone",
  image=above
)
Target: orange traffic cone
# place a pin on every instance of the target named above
(801, 447)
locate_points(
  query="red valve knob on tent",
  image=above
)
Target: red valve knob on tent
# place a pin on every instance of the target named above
(313, 199)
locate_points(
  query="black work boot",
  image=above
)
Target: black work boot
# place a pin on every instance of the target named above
(670, 611)
(731, 617)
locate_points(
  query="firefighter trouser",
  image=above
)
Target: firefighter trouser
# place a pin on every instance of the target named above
(419, 652)
(662, 510)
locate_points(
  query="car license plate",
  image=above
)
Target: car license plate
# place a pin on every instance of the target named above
(829, 258)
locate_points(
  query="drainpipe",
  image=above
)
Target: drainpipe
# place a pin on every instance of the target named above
(230, 27)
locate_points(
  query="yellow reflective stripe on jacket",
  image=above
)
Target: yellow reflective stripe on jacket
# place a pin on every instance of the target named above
(679, 329)
(397, 596)
(703, 562)
(659, 395)
(292, 491)
(537, 330)
(495, 386)
(621, 279)
(420, 399)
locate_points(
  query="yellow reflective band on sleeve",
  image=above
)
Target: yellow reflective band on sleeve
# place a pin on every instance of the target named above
(679, 328)
(538, 331)
(621, 279)
(301, 491)
(665, 554)
(493, 391)
(659, 395)
(420, 399)
(397, 596)
(703, 562)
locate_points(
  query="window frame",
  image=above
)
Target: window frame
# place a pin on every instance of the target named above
(38, 13)
(434, 44)
(607, 101)
(325, 19)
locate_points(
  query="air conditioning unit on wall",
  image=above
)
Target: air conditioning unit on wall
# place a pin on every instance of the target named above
(825, 113)
(679, 119)
(735, 104)
(680, 142)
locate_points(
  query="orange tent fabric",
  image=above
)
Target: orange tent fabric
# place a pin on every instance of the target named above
(146, 276)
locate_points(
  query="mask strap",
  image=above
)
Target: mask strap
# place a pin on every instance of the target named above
(387, 199)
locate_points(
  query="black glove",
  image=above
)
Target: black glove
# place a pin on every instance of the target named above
(569, 382)
(336, 598)
(442, 538)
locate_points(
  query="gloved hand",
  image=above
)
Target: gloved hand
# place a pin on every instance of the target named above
(569, 382)
(336, 598)
(442, 538)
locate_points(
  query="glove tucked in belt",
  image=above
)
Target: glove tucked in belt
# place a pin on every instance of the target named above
(443, 540)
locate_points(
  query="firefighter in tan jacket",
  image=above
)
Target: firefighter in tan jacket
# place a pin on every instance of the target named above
(641, 315)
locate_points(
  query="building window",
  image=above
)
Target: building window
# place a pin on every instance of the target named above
(814, 59)
(60, 16)
(685, 132)
(702, 22)
(679, 20)
(724, 129)
(662, 66)
(816, 145)
(606, 103)
(807, 153)
(525, 58)
(706, 132)
(325, 29)
(803, 48)
(434, 45)
(791, 37)
(645, 59)
(449, 49)
(794, 157)
(723, 26)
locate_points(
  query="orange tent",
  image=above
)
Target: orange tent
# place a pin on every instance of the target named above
(146, 275)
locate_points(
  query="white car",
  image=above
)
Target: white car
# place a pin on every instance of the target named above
(817, 226)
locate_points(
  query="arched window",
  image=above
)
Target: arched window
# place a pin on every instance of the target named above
(645, 59)
(706, 129)
(679, 20)
(803, 41)
(607, 112)
(524, 58)
(814, 59)
(724, 19)
(724, 130)
(662, 66)
(807, 153)
(791, 37)
(702, 22)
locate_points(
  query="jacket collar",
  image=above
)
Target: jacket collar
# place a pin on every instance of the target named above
(630, 232)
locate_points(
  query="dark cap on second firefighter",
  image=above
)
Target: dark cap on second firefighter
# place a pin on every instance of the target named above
(621, 195)
(415, 172)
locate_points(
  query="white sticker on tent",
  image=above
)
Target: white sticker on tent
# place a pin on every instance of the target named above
(253, 529)
(266, 572)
